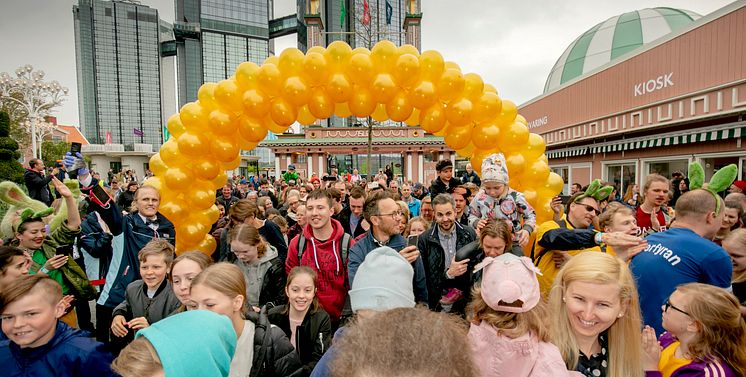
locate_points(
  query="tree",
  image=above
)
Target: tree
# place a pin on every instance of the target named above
(52, 151)
(10, 168)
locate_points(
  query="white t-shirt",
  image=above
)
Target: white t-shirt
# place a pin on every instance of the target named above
(244, 356)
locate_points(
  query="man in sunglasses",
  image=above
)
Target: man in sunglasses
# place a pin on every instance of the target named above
(569, 234)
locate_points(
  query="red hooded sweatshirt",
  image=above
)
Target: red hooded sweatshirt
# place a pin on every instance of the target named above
(325, 257)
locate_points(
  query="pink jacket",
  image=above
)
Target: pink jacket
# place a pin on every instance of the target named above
(497, 355)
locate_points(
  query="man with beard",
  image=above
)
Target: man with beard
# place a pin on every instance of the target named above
(438, 247)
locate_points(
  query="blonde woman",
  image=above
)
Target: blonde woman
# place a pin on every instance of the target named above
(735, 245)
(596, 317)
(221, 288)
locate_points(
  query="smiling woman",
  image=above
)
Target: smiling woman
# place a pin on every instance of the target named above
(596, 312)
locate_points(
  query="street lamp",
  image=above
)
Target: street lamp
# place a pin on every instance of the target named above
(36, 97)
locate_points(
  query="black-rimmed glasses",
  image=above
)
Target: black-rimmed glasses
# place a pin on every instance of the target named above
(668, 304)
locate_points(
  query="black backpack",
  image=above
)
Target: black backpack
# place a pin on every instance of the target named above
(344, 247)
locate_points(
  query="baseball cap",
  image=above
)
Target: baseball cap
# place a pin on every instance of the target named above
(443, 164)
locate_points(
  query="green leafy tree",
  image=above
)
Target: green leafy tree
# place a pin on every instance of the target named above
(52, 151)
(10, 168)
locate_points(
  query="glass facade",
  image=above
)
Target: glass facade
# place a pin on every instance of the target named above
(621, 175)
(378, 29)
(118, 57)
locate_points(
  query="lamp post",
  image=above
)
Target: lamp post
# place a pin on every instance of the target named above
(34, 96)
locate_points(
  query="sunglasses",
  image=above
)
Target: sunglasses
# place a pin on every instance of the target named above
(589, 208)
(668, 304)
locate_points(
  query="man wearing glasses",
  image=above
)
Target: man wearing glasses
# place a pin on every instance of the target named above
(569, 234)
(384, 216)
(683, 254)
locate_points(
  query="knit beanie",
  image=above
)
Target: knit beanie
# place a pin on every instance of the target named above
(382, 282)
(509, 283)
(494, 168)
(193, 343)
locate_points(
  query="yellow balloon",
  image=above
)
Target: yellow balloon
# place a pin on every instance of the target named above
(193, 117)
(272, 126)
(554, 184)
(316, 49)
(507, 113)
(362, 103)
(200, 199)
(177, 177)
(339, 88)
(408, 49)
(305, 117)
(272, 60)
(536, 174)
(431, 65)
(156, 165)
(206, 94)
(269, 79)
(399, 108)
(229, 95)
(342, 110)
(516, 163)
(360, 69)
(246, 74)
(222, 122)
(535, 147)
(383, 87)
(170, 153)
(192, 144)
(433, 119)
(206, 168)
(155, 182)
(423, 95)
(459, 111)
(487, 107)
(514, 137)
(175, 126)
(380, 113)
(291, 61)
(223, 150)
(414, 118)
(320, 104)
(233, 164)
(490, 89)
(207, 246)
(252, 130)
(467, 151)
(384, 55)
(485, 136)
(450, 85)
(220, 180)
(296, 91)
(458, 137)
(521, 119)
(531, 196)
(245, 144)
(452, 65)
(337, 54)
(173, 210)
(256, 103)
(315, 69)
(473, 86)
(191, 232)
(407, 69)
(282, 112)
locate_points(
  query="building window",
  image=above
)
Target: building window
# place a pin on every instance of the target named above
(621, 175)
(115, 166)
(666, 168)
(563, 172)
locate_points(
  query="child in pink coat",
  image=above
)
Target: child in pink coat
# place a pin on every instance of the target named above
(508, 334)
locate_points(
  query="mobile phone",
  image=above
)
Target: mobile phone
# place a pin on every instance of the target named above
(412, 240)
(565, 199)
(64, 250)
(99, 196)
(75, 148)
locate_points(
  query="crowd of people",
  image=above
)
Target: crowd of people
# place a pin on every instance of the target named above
(341, 276)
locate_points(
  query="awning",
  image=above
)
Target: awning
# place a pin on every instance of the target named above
(721, 132)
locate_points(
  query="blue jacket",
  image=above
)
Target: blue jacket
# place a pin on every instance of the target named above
(365, 245)
(124, 267)
(69, 353)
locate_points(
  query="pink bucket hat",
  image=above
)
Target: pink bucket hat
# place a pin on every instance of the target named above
(509, 283)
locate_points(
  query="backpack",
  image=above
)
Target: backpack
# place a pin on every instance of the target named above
(345, 247)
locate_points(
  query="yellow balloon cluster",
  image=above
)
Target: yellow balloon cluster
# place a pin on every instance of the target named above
(387, 82)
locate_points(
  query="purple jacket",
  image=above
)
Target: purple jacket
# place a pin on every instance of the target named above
(497, 355)
(695, 368)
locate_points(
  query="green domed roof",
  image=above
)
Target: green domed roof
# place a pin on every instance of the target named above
(613, 38)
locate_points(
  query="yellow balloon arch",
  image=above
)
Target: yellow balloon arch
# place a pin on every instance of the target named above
(387, 82)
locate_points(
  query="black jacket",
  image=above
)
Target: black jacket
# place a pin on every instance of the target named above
(312, 338)
(434, 257)
(344, 219)
(38, 186)
(124, 200)
(227, 203)
(274, 356)
(438, 187)
(473, 178)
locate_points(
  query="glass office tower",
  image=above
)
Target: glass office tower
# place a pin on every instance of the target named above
(118, 69)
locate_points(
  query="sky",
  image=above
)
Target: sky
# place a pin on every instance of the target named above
(510, 44)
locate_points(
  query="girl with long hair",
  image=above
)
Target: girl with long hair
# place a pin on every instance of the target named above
(183, 270)
(705, 335)
(735, 245)
(302, 319)
(595, 313)
(221, 288)
(260, 264)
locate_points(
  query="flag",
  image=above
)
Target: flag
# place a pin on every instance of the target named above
(138, 132)
(366, 13)
(342, 14)
(108, 137)
(389, 12)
